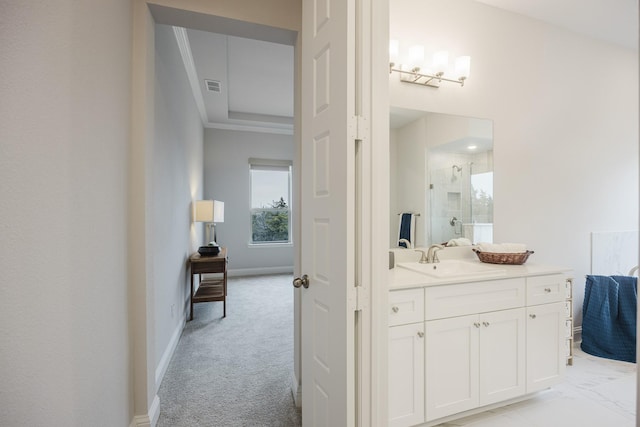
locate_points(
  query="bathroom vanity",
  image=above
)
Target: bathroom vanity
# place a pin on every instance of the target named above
(462, 343)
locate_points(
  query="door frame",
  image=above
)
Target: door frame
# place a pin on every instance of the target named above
(141, 323)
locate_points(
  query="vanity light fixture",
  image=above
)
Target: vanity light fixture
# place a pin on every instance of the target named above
(410, 72)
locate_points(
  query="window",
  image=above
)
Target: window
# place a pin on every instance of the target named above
(482, 197)
(270, 201)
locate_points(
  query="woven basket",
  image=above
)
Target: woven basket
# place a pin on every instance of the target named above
(503, 258)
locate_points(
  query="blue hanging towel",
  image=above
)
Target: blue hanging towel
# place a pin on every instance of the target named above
(407, 229)
(609, 317)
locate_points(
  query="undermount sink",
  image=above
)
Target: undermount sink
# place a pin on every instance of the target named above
(453, 268)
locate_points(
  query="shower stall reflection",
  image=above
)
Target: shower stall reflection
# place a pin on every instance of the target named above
(461, 195)
(442, 166)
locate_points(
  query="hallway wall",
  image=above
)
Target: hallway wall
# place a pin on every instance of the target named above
(64, 153)
(226, 178)
(176, 185)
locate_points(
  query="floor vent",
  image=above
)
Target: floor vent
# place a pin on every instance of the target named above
(213, 85)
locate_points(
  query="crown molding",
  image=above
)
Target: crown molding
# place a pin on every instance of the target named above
(187, 58)
(281, 128)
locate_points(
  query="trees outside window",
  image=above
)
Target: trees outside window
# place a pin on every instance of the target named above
(270, 207)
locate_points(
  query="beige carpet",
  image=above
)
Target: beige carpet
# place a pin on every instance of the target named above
(235, 371)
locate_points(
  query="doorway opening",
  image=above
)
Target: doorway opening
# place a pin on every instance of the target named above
(233, 129)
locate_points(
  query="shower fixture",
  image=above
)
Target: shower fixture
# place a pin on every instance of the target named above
(454, 169)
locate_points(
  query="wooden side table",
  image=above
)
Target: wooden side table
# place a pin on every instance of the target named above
(209, 289)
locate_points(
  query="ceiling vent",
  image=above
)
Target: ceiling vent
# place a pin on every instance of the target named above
(213, 85)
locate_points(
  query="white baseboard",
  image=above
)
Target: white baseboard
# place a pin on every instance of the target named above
(140, 421)
(260, 271)
(577, 334)
(154, 411)
(150, 419)
(296, 390)
(168, 353)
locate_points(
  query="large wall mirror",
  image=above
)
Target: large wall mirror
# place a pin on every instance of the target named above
(442, 173)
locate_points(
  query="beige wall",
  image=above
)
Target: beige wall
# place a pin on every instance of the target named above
(64, 136)
(66, 353)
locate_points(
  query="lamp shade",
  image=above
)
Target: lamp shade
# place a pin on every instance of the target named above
(204, 211)
(394, 50)
(416, 56)
(218, 211)
(441, 61)
(463, 66)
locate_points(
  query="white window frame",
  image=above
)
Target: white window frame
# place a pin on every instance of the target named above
(274, 165)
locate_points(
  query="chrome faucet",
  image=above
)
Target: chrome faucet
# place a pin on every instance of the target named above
(423, 259)
(432, 255)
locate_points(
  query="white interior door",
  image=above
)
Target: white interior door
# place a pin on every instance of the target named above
(327, 212)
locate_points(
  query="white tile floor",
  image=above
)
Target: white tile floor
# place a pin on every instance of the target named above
(597, 393)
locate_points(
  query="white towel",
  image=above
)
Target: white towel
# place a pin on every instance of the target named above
(502, 248)
(461, 241)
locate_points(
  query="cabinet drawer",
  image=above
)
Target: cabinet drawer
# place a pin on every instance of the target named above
(477, 297)
(546, 289)
(406, 306)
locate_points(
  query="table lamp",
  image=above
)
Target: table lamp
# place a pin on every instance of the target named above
(209, 212)
(218, 216)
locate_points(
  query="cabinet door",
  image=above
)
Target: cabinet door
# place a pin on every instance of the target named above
(451, 359)
(502, 355)
(545, 345)
(406, 375)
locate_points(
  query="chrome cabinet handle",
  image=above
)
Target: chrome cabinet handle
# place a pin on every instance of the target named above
(547, 290)
(533, 316)
(485, 324)
(395, 309)
(476, 324)
(421, 334)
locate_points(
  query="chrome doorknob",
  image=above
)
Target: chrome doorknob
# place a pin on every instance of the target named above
(304, 282)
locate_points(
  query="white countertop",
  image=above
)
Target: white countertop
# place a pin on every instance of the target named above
(402, 278)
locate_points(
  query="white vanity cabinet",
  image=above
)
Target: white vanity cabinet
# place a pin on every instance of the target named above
(406, 374)
(546, 331)
(474, 361)
(480, 344)
(406, 357)
(479, 358)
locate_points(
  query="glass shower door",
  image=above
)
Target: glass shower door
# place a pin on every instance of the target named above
(450, 189)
